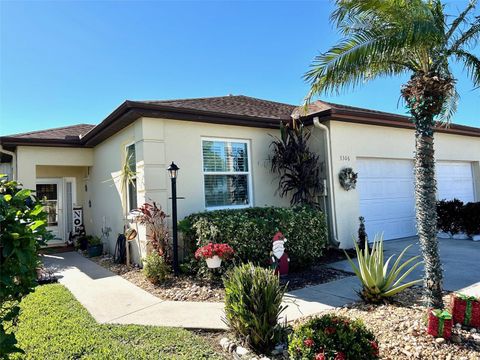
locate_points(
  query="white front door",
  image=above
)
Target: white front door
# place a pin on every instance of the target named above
(50, 192)
(387, 202)
(455, 181)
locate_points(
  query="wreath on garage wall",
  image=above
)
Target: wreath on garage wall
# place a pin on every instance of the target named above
(348, 178)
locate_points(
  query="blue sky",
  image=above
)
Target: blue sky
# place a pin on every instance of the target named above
(63, 63)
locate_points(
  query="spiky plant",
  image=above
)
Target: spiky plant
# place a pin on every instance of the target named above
(417, 37)
(381, 280)
(298, 168)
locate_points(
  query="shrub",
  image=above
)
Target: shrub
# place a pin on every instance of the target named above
(250, 232)
(471, 218)
(154, 219)
(333, 337)
(23, 228)
(296, 165)
(155, 268)
(449, 216)
(378, 280)
(253, 304)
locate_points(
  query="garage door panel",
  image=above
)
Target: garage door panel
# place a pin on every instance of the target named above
(387, 198)
(455, 180)
(379, 209)
(386, 193)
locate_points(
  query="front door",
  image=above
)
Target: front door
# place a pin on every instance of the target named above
(50, 192)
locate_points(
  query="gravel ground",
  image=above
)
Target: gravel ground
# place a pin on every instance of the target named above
(188, 288)
(400, 329)
(181, 288)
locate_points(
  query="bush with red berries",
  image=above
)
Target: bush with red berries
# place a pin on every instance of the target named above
(332, 337)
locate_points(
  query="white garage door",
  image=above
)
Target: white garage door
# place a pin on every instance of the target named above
(386, 190)
(455, 180)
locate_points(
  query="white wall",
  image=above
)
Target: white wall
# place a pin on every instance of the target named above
(351, 141)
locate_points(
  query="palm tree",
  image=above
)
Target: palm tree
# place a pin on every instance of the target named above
(417, 37)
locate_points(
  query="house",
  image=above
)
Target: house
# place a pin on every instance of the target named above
(221, 141)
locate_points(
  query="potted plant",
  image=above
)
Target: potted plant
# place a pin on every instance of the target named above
(82, 242)
(214, 254)
(95, 246)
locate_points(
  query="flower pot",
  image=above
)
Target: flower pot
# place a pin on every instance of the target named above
(95, 250)
(214, 262)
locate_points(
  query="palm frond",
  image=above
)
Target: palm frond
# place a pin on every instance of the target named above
(460, 19)
(449, 107)
(471, 64)
(468, 37)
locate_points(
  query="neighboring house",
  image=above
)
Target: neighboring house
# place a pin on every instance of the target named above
(222, 145)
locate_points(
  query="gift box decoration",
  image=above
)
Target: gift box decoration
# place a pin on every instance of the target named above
(440, 323)
(466, 310)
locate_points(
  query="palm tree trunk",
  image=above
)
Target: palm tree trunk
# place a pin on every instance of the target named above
(426, 214)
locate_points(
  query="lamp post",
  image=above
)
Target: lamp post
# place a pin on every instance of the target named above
(173, 172)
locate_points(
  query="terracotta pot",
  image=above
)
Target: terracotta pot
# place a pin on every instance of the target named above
(214, 262)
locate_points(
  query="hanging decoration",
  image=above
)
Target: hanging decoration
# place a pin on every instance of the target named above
(348, 178)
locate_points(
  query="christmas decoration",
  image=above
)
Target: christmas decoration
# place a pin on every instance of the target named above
(440, 323)
(466, 310)
(348, 178)
(278, 257)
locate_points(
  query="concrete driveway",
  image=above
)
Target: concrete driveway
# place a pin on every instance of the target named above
(460, 259)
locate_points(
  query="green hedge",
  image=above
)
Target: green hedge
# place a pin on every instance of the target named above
(250, 231)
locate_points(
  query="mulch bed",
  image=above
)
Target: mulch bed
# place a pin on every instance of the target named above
(400, 328)
(189, 288)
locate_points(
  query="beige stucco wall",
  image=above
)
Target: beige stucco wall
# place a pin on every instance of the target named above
(29, 157)
(181, 141)
(77, 172)
(350, 141)
(158, 142)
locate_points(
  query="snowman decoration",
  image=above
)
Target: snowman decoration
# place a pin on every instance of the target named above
(278, 257)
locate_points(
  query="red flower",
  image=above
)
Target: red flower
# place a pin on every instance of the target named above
(374, 346)
(320, 356)
(308, 342)
(330, 330)
(278, 236)
(223, 251)
(340, 356)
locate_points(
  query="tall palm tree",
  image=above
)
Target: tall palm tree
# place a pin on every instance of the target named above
(393, 37)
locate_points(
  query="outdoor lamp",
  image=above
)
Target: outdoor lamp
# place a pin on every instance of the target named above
(173, 170)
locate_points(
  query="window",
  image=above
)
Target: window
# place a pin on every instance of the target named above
(226, 173)
(132, 183)
(48, 194)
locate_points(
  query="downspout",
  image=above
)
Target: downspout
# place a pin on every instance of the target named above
(333, 217)
(14, 161)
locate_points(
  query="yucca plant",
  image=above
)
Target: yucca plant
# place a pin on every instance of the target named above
(379, 280)
(253, 304)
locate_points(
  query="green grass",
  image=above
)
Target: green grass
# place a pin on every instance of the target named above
(54, 325)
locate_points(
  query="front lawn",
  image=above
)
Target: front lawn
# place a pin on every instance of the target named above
(54, 325)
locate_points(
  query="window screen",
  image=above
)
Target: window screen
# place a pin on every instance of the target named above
(226, 173)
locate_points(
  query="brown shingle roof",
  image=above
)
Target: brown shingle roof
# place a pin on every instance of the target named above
(227, 110)
(232, 105)
(60, 133)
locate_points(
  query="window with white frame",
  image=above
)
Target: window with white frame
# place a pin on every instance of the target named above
(226, 173)
(132, 183)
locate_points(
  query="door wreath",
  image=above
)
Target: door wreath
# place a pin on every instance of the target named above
(348, 178)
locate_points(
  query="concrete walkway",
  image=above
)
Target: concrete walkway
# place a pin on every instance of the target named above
(111, 299)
